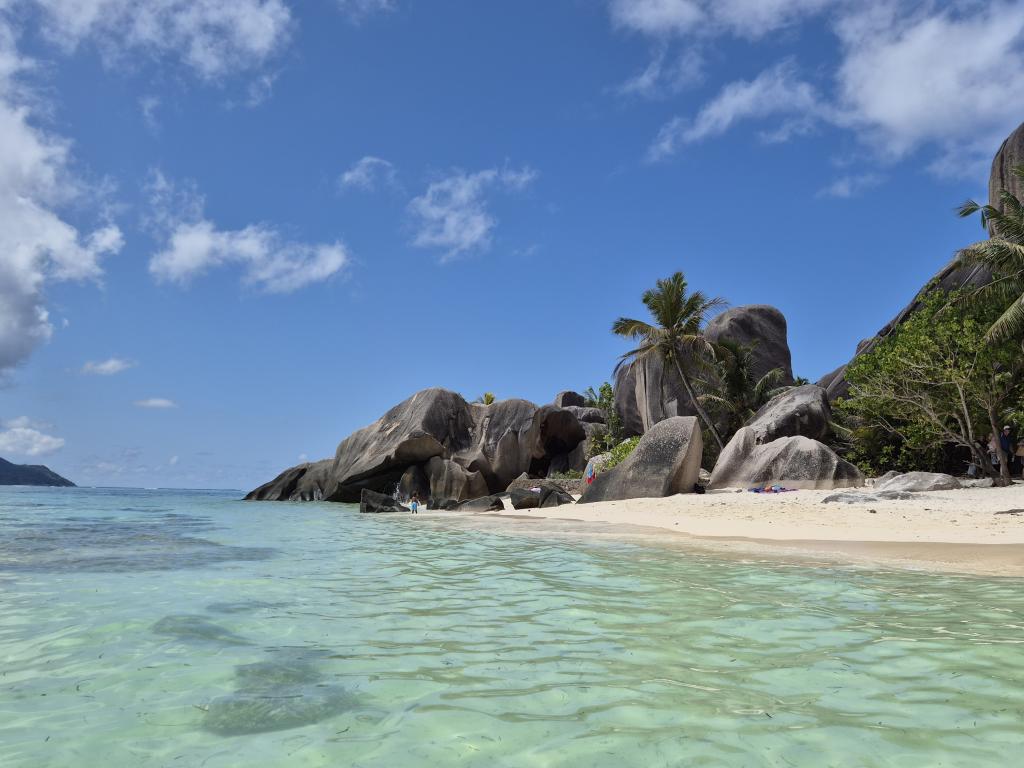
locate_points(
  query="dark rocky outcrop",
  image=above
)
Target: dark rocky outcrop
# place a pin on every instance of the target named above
(854, 497)
(306, 482)
(451, 483)
(759, 326)
(666, 461)
(548, 494)
(31, 474)
(798, 411)
(372, 502)
(567, 398)
(414, 480)
(525, 482)
(496, 443)
(1010, 155)
(916, 482)
(646, 392)
(433, 422)
(483, 504)
(586, 415)
(794, 462)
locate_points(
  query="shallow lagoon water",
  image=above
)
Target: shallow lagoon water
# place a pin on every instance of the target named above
(151, 628)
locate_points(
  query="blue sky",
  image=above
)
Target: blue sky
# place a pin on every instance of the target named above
(232, 232)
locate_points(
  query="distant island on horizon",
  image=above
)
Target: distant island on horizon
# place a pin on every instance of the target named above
(31, 474)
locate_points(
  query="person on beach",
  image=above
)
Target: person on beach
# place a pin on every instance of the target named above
(414, 503)
(1009, 446)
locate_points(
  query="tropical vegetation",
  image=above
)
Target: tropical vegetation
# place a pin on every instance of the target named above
(676, 337)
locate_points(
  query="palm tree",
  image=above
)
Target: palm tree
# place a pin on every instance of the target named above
(678, 338)
(735, 391)
(1003, 254)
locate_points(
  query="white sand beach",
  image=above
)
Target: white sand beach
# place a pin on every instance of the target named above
(978, 530)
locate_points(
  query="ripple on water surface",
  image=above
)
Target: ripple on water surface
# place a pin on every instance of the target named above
(160, 628)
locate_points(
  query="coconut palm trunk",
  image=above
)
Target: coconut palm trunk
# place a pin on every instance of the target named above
(701, 413)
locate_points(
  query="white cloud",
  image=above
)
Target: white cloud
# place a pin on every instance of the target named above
(666, 74)
(850, 186)
(37, 246)
(21, 437)
(107, 367)
(910, 75)
(195, 245)
(212, 37)
(776, 91)
(955, 81)
(707, 18)
(359, 9)
(657, 17)
(148, 105)
(452, 214)
(368, 174)
(173, 461)
(156, 402)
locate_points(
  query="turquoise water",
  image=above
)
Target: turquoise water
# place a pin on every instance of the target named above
(145, 628)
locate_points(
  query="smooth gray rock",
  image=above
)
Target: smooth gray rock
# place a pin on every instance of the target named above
(525, 482)
(548, 494)
(916, 482)
(577, 460)
(567, 398)
(798, 411)
(794, 462)
(665, 462)
(1009, 155)
(887, 476)
(433, 422)
(626, 406)
(761, 327)
(30, 474)
(586, 415)
(450, 483)
(483, 504)
(414, 480)
(648, 393)
(371, 502)
(515, 436)
(306, 482)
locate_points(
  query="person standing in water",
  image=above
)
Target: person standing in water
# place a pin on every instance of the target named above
(415, 503)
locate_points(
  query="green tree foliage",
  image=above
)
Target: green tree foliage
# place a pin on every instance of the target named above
(676, 336)
(733, 394)
(1003, 254)
(604, 400)
(620, 453)
(936, 381)
(487, 398)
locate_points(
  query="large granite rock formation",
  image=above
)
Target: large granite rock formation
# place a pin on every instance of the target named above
(483, 504)
(30, 474)
(954, 275)
(666, 461)
(414, 481)
(759, 326)
(798, 411)
(493, 444)
(569, 398)
(647, 392)
(433, 422)
(547, 495)
(450, 483)
(794, 462)
(306, 482)
(1010, 155)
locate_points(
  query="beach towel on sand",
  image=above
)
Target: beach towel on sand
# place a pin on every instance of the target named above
(772, 489)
